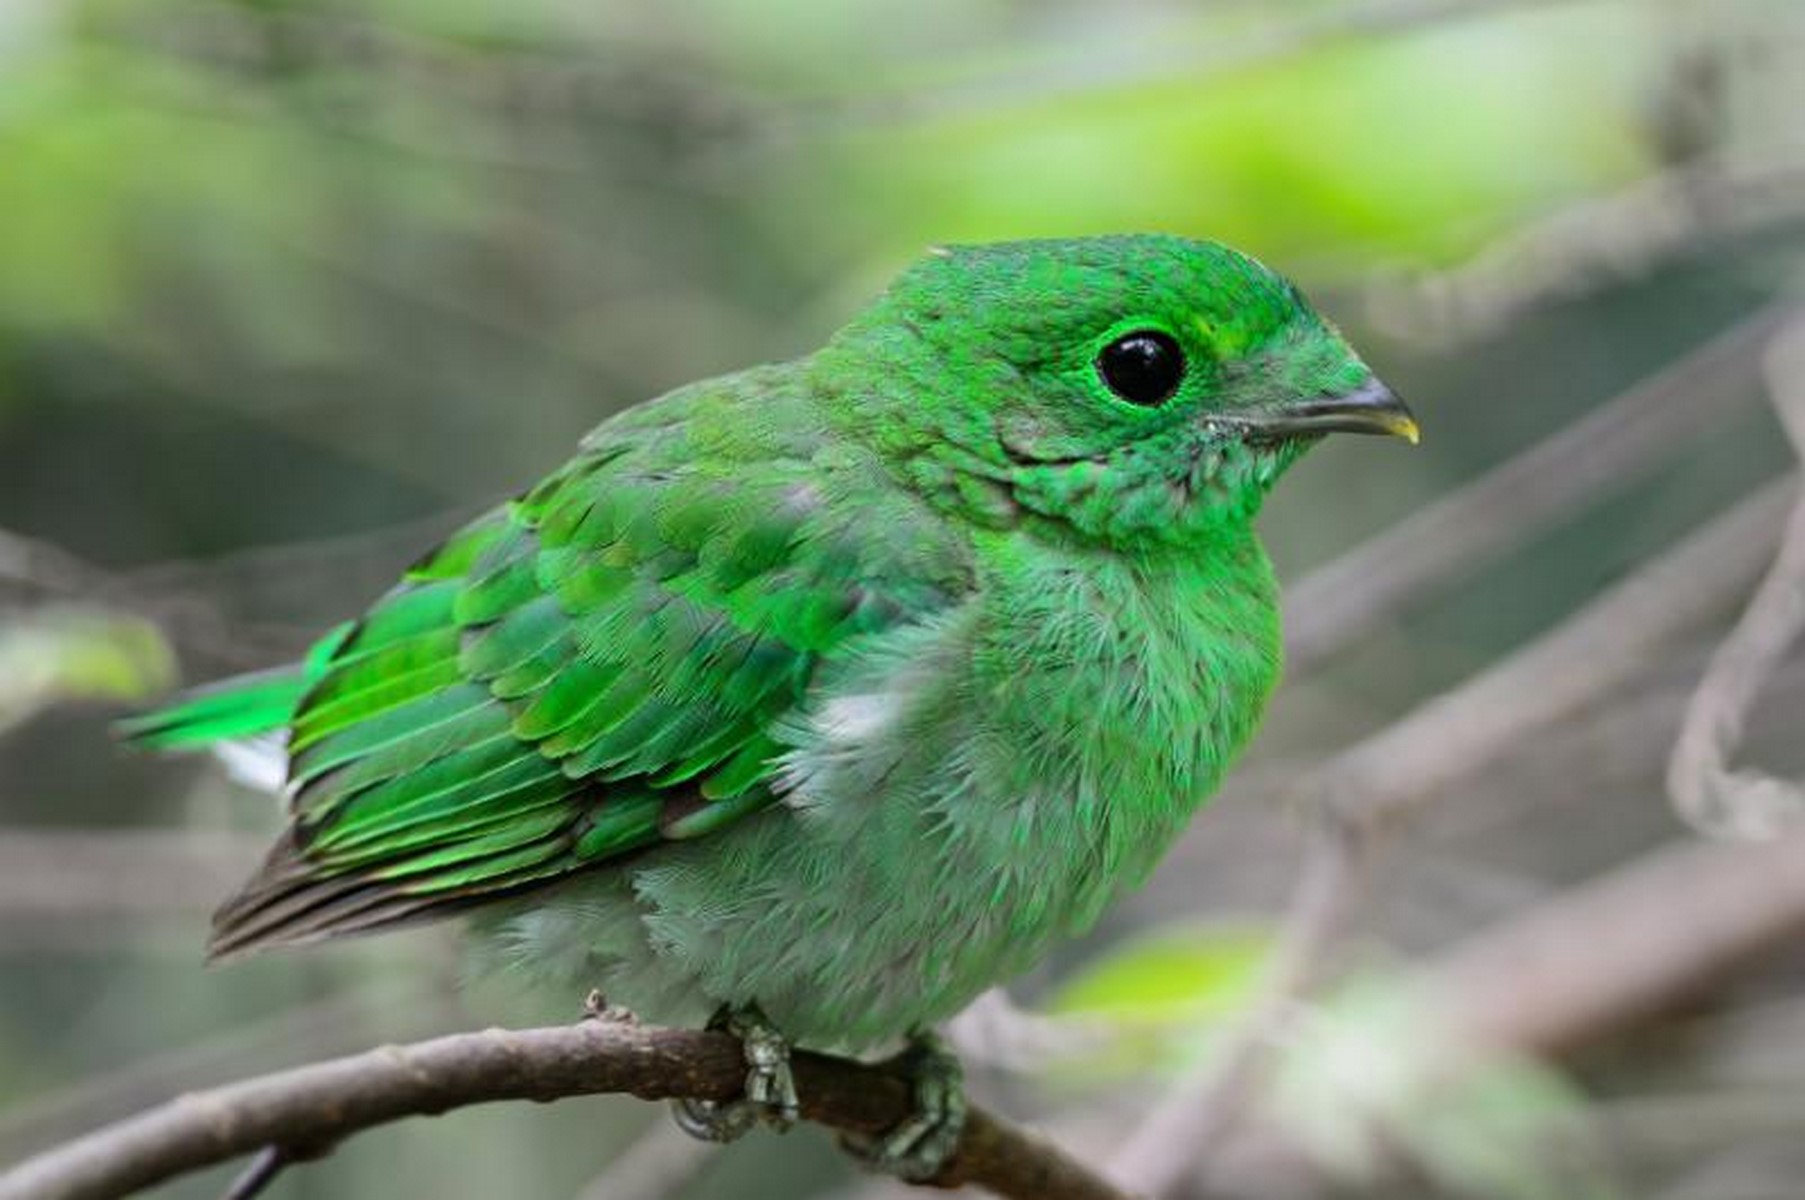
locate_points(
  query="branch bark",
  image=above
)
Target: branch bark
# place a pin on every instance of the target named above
(307, 1110)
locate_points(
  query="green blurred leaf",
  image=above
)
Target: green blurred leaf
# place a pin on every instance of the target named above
(1167, 994)
(78, 654)
(1173, 971)
(1411, 149)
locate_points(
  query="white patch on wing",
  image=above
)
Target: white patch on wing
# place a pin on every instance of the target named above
(842, 742)
(855, 718)
(847, 743)
(260, 763)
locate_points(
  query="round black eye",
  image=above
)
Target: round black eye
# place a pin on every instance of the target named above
(1144, 367)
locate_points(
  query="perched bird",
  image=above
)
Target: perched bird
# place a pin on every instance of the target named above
(819, 697)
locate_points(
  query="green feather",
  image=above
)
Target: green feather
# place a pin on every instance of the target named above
(242, 707)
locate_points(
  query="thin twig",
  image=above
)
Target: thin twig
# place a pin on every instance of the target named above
(1194, 1116)
(261, 1172)
(319, 1105)
(1705, 790)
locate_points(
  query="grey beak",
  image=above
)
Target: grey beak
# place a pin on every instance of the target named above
(1370, 408)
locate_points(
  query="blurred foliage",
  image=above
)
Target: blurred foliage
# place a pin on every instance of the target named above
(63, 654)
(1168, 993)
(1370, 1075)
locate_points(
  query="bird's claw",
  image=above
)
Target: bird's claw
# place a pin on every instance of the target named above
(770, 1087)
(769, 1084)
(918, 1147)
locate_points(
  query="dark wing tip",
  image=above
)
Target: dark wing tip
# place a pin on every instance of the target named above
(290, 901)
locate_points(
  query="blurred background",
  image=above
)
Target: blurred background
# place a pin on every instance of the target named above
(288, 288)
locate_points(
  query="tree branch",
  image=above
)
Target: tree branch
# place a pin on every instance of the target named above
(307, 1110)
(1706, 791)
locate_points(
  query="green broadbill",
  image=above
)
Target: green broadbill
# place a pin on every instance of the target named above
(835, 690)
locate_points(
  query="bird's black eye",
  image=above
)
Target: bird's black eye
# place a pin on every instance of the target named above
(1144, 367)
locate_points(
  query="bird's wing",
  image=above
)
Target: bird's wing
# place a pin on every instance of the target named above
(585, 672)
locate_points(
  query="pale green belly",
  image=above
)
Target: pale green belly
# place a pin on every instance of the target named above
(842, 943)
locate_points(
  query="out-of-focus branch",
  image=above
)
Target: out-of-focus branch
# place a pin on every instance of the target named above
(1185, 53)
(34, 573)
(1704, 789)
(187, 597)
(305, 1111)
(1378, 781)
(1336, 604)
(1593, 244)
(342, 1022)
(1581, 660)
(1589, 964)
(655, 1165)
(568, 87)
(1193, 1116)
(1622, 948)
(39, 567)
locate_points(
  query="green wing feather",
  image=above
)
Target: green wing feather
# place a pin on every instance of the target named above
(576, 676)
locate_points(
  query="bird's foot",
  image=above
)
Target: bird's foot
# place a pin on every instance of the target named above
(918, 1147)
(770, 1088)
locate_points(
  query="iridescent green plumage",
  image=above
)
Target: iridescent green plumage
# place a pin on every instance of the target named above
(584, 672)
(842, 686)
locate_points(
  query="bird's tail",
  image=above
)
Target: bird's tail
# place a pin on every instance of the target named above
(243, 707)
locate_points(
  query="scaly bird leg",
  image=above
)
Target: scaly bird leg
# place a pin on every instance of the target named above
(770, 1088)
(918, 1146)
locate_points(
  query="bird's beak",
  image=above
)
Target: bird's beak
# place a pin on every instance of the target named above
(1370, 408)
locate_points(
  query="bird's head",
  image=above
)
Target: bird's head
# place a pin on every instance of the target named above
(1135, 388)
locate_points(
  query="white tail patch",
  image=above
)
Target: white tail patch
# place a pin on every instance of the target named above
(260, 763)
